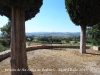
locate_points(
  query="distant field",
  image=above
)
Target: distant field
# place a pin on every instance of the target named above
(59, 62)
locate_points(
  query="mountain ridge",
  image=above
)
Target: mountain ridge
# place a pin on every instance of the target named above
(53, 33)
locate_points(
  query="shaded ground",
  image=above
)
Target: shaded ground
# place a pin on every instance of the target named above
(59, 62)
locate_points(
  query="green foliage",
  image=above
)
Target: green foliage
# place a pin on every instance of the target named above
(31, 7)
(6, 34)
(50, 39)
(83, 12)
(54, 40)
(18, 3)
(63, 42)
(29, 38)
(5, 42)
(2, 48)
(93, 34)
(67, 41)
(6, 29)
(46, 39)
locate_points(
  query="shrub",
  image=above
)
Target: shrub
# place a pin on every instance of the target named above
(2, 48)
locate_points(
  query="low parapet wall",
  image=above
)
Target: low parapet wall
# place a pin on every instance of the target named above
(97, 48)
(6, 54)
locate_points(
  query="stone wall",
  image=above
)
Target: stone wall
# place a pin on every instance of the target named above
(96, 48)
(6, 53)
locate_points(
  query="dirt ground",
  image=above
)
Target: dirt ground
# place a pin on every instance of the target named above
(59, 62)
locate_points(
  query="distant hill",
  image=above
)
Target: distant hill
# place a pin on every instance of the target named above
(53, 34)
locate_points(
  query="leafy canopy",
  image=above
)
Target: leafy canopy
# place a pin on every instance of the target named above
(93, 34)
(31, 7)
(83, 12)
(6, 29)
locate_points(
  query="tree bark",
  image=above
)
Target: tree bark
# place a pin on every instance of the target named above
(83, 39)
(18, 43)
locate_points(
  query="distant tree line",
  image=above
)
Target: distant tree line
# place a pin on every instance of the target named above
(52, 39)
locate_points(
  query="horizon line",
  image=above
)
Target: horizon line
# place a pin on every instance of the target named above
(50, 32)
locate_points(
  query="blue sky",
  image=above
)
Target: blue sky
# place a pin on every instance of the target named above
(52, 18)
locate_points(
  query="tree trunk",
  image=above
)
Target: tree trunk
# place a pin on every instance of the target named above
(83, 39)
(18, 43)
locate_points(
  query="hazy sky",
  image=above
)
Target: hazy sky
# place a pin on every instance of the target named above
(52, 18)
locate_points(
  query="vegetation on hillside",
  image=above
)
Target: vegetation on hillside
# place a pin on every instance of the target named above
(53, 40)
